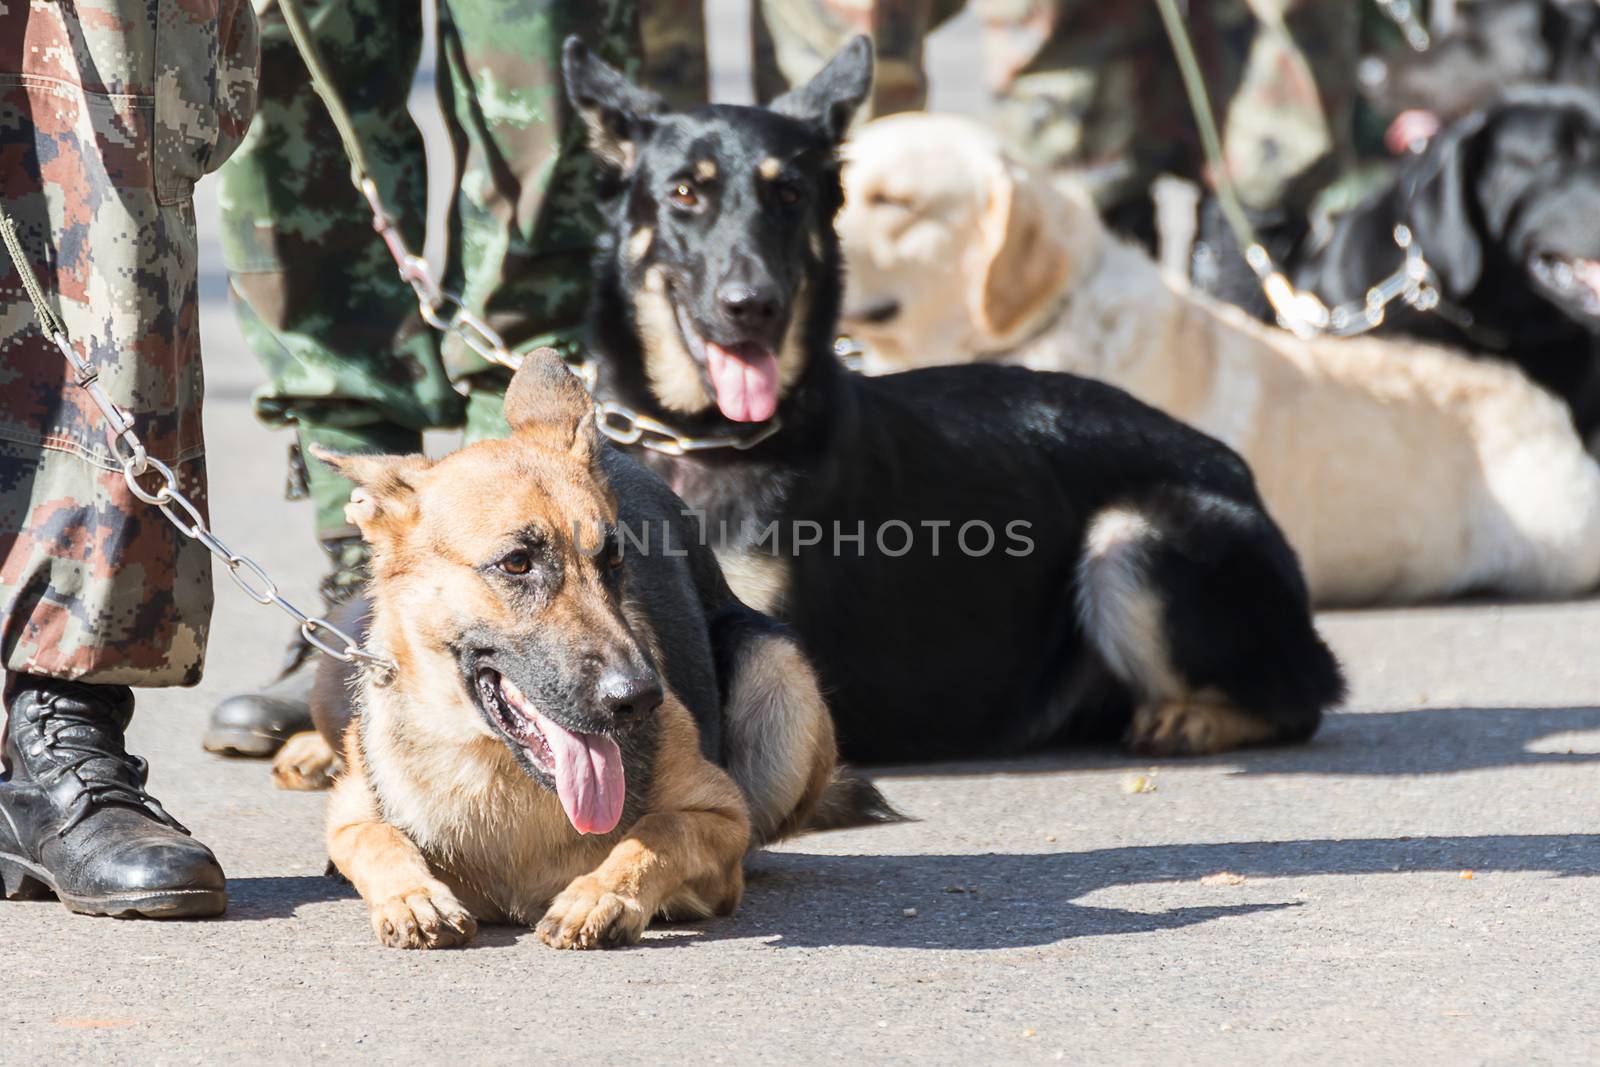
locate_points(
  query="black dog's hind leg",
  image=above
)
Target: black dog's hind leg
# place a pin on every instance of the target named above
(778, 739)
(1197, 603)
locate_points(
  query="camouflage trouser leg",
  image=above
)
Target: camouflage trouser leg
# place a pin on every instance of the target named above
(349, 363)
(673, 35)
(1095, 88)
(523, 220)
(794, 38)
(98, 166)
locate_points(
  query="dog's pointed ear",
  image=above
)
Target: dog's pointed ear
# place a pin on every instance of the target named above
(1022, 253)
(385, 496)
(616, 112)
(548, 405)
(832, 98)
(1439, 210)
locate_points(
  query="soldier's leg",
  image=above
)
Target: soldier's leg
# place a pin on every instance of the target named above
(793, 39)
(100, 592)
(1289, 125)
(523, 221)
(1094, 89)
(349, 364)
(672, 34)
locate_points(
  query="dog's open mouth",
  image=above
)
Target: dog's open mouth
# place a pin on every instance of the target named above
(744, 376)
(1573, 277)
(586, 768)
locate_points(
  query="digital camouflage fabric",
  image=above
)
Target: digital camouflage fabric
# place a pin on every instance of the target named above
(349, 363)
(110, 110)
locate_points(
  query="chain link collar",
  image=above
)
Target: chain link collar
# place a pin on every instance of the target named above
(1305, 315)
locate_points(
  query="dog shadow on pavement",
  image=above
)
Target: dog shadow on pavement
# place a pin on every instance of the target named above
(1428, 741)
(1000, 901)
(1017, 900)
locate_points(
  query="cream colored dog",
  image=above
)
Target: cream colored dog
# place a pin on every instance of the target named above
(1399, 472)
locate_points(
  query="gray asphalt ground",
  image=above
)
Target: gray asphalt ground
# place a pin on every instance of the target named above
(1416, 886)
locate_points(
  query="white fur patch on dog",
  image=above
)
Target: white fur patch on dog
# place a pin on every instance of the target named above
(1120, 613)
(760, 579)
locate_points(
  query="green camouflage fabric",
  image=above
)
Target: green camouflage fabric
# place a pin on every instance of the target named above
(1094, 88)
(793, 39)
(349, 363)
(672, 35)
(110, 111)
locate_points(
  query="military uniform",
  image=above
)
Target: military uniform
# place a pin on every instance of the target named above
(793, 39)
(1094, 87)
(349, 363)
(110, 110)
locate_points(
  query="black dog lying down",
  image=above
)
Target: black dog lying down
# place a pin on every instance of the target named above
(1505, 206)
(978, 559)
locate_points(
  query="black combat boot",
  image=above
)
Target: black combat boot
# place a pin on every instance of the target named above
(75, 819)
(255, 725)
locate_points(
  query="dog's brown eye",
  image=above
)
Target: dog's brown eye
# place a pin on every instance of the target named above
(517, 563)
(685, 196)
(788, 195)
(614, 558)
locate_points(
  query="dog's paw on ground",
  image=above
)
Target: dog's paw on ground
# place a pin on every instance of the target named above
(428, 917)
(306, 762)
(1193, 728)
(588, 915)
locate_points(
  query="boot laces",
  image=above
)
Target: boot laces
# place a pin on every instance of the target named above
(107, 772)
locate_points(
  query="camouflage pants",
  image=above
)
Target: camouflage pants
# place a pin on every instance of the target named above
(1093, 87)
(794, 38)
(349, 363)
(110, 110)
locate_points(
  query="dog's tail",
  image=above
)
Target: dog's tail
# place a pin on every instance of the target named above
(850, 800)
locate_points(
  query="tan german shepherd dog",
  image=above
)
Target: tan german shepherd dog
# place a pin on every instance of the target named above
(547, 751)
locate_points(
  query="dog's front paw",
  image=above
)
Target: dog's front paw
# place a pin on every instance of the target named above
(425, 917)
(587, 915)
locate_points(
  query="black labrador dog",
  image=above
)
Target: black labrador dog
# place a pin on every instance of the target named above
(1505, 207)
(980, 560)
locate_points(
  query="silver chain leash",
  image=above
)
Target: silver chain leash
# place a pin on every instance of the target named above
(136, 462)
(1303, 313)
(448, 313)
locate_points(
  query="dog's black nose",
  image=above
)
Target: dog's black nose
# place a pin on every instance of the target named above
(748, 305)
(626, 695)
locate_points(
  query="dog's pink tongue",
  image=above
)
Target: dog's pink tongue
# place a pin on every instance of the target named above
(746, 380)
(588, 778)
